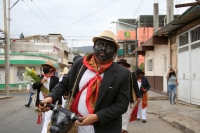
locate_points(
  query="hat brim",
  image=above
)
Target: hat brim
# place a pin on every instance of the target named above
(70, 62)
(63, 72)
(140, 72)
(128, 65)
(54, 69)
(97, 38)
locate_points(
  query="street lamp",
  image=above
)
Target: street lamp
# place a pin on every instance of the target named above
(136, 41)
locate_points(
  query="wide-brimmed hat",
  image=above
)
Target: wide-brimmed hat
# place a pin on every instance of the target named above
(124, 62)
(75, 58)
(107, 35)
(139, 71)
(49, 63)
(65, 71)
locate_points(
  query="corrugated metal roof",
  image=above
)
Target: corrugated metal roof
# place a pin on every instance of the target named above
(188, 16)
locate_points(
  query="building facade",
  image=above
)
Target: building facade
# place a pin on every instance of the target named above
(33, 51)
(176, 46)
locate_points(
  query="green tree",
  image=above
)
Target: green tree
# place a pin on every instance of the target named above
(142, 67)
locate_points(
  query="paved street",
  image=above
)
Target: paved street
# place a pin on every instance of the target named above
(153, 125)
(16, 118)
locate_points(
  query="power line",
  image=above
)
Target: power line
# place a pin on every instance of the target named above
(89, 15)
(137, 9)
(38, 16)
(57, 21)
(135, 13)
(44, 15)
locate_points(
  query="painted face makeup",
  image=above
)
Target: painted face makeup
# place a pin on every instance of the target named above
(104, 50)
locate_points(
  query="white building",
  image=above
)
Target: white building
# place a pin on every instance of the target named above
(33, 51)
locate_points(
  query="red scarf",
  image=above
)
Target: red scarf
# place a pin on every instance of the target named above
(93, 85)
(48, 76)
(144, 97)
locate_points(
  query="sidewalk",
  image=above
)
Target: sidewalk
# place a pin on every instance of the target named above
(183, 116)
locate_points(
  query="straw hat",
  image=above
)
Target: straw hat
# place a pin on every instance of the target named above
(49, 63)
(65, 71)
(107, 35)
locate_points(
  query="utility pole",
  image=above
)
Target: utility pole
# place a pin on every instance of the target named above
(155, 17)
(136, 45)
(170, 10)
(7, 49)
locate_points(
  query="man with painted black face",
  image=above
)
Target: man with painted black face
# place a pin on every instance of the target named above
(100, 88)
(48, 81)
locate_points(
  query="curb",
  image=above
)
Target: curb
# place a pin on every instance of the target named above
(23, 90)
(183, 123)
(158, 98)
(5, 97)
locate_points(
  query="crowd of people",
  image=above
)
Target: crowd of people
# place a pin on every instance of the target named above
(99, 90)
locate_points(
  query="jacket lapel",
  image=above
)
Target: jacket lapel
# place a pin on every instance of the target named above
(108, 78)
(51, 82)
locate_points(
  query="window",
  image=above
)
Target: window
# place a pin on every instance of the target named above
(183, 39)
(195, 34)
(150, 65)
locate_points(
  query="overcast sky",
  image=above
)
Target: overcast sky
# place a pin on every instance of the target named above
(76, 19)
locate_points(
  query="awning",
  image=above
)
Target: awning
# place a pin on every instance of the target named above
(188, 16)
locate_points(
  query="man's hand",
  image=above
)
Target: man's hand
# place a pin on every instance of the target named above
(43, 107)
(138, 99)
(88, 120)
(44, 80)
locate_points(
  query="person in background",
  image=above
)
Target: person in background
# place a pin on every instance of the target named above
(32, 92)
(172, 83)
(134, 94)
(75, 58)
(100, 88)
(141, 83)
(48, 81)
(64, 97)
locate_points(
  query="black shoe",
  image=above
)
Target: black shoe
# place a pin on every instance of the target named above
(144, 121)
(174, 102)
(138, 119)
(26, 105)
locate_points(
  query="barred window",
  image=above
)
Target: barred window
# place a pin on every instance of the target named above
(150, 65)
(195, 34)
(183, 39)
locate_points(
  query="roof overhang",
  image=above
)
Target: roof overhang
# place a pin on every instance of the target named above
(149, 45)
(188, 16)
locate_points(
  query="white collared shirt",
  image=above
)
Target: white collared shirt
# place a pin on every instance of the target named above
(82, 108)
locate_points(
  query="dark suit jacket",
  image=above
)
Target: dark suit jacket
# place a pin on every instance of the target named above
(145, 84)
(113, 97)
(53, 81)
(133, 87)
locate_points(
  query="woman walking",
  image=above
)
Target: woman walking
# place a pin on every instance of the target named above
(172, 83)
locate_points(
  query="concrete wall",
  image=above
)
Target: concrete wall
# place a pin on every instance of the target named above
(156, 77)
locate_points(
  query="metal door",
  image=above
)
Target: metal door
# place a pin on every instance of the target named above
(195, 74)
(184, 74)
